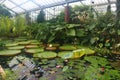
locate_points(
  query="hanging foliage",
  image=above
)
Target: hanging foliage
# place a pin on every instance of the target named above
(118, 9)
(4, 11)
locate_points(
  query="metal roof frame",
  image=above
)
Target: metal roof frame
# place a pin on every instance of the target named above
(54, 4)
(51, 4)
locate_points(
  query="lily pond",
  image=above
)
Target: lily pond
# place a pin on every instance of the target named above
(27, 59)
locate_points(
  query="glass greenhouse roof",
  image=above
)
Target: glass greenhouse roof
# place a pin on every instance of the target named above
(22, 6)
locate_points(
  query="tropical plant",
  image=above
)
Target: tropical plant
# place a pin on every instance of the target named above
(6, 26)
(20, 26)
(11, 28)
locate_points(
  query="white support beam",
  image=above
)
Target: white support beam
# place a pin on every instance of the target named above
(102, 4)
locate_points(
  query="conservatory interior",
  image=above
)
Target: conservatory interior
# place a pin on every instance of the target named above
(59, 39)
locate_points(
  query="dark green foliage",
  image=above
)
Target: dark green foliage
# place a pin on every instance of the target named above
(2, 45)
(41, 16)
(100, 31)
(4, 11)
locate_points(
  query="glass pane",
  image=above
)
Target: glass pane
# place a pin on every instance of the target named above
(101, 8)
(19, 1)
(18, 10)
(41, 2)
(113, 7)
(9, 4)
(86, 2)
(29, 5)
(76, 3)
(47, 2)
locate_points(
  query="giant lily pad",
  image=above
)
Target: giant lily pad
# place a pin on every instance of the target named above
(65, 54)
(67, 47)
(71, 54)
(45, 55)
(16, 47)
(32, 51)
(78, 53)
(87, 50)
(9, 52)
(11, 44)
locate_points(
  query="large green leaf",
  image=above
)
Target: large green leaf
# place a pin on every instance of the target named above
(118, 31)
(80, 32)
(91, 27)
(71, 32)
(72, 25)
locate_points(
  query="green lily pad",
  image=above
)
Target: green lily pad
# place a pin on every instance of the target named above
(71, 54)
(45, 55)
(65, 54)
(11, 44)
(67, 47)
(24, 42)
(79, 46)
(89, 51)
(16, 47)
(9, 52)
(35, 42)
(32, 51)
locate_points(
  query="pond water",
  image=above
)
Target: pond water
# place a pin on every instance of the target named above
(27, 65)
